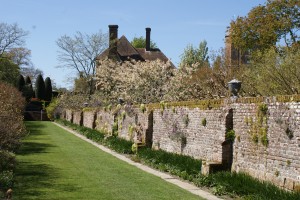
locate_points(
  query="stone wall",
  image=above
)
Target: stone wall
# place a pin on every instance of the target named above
(77, 117)
(104, 121)
(195, 132)
(69, 115)
(89, 118)
(276, 157)
(266, 146)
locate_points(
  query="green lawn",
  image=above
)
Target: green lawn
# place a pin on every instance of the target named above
(54, 164)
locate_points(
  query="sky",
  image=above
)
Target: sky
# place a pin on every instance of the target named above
(174, 24)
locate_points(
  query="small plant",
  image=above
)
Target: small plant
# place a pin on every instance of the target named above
(289, 133)
(238, 138)
(115, 128)
(255, 138)
(109, 107)
(230, 135)
(123, 115)
(173, 109)
(134, 148)
(142, 108)
(288, 163)
(162, 105)
(203, 122)
(186, 120)
(263, 108)
(277, 173)
(264, 139)
(131, 129)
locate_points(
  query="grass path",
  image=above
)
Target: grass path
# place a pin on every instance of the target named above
(54, 164)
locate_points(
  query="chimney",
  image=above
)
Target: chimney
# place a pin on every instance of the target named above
(148, 30)
(113, 40)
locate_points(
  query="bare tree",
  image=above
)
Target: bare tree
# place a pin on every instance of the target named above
(31, 72)
(11, 36)
(80, 52)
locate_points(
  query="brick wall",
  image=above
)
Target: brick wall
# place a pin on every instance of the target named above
(89, 118)
(77, 117)
(279, 160)
(69, 115)
(183, 130)
(267, 144)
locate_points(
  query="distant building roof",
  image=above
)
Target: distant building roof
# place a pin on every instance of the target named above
(122, 50)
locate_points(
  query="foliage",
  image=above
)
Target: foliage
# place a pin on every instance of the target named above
(9, 71)
(180, 165)
(204, 122)
(81, 85)
(203, 83)
(11, 36)
(133, 81)
(243, 185)
(40, 88)
(6, 180)
(52, 109)
(80, 51)
(230, 135)
(195, 58)
(48, 89)
(273, 73)
(28, 80)
(21, 83)
(265, 25)
(140, 42)
(11, 117)
(7, 160)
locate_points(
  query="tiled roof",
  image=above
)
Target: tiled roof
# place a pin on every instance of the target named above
(127, 51)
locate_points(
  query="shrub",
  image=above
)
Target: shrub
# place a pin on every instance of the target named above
(11, 117)
(6, 180)
(174, 163)
(7, 161)
(243, 185)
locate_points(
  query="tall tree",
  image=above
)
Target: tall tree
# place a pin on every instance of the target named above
(11, 36)
(21, 83)
(40, 88)
(28, 80)
(9, 71)
(194, 58)
(48, 89)
(140, 42)
(266, 25)
(80, 52)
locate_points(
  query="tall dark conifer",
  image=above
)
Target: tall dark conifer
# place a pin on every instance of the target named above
(27, 80)
(40, 87)
(20, 83)
(48, 89)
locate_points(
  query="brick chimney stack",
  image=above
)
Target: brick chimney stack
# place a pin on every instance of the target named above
(113, 40)
(148, 30)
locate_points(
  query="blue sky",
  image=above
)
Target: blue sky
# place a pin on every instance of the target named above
(174, 24)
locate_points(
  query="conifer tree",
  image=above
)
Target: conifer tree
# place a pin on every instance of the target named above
(40, 87)
(20, 83)
(48, 89)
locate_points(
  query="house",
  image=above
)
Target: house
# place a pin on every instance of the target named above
(235, 56)
(122, 50)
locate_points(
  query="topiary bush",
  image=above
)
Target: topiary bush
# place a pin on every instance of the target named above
(40, 87)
